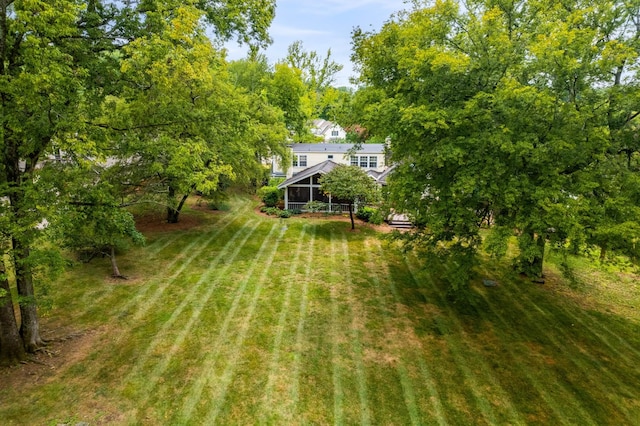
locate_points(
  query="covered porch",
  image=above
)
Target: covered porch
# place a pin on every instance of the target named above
(304, 187)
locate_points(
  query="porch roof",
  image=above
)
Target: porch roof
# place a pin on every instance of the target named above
(322, 168)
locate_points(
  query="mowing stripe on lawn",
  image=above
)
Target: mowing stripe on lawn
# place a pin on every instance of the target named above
(461, 361)
(302, 316)
(338, 393)
(615, 335)
(544, 389)
(267, 405)
(601, 368)
(159, 245)
(143, 307)
(161, 335)
(143, 290)
(356, 345)
(600, 336)
(141, 294)
(407, 387)
(561, 346)
(232, 364)
(195, 393)
(424, 369)
(183, 264)
(589, 326)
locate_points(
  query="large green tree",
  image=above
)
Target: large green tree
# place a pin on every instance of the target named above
(40, 97)
(59, 60)
(503, 112)
(351, 185)
(190, 126)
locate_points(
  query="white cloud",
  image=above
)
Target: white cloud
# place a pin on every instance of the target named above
(277, 30)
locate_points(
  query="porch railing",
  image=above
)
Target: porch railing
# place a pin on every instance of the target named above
(331, 208)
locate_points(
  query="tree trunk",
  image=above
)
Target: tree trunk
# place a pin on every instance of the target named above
(173, 213)
(537, 264)
(115, 272)
(11, 346)
(603, 252)
(353, 225)
(29, 324)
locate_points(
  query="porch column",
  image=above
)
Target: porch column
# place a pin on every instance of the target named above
(286, 198)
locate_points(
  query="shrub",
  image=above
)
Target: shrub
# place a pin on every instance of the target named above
(284, 214)
(296, 211)
(270, 195)
(365, 213)
(271, 211)
(370, 214)
(376, 218)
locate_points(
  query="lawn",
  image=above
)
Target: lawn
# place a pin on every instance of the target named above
(244, 319)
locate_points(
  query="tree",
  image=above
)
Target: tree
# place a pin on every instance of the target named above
(318, 72)
(40, 100)
(349, 184)
(11, 347)
(505, 110)
(59, 60)
(190, 126)
(287, 91)
(91, 221)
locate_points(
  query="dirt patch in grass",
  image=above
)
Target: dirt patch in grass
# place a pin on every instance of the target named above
(156, 223)
(65, 347)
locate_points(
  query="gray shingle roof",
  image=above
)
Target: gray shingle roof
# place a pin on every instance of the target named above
(322, 168)
(339, 148)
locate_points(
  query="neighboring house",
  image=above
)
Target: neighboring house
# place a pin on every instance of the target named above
(329, 131)
(311, 161)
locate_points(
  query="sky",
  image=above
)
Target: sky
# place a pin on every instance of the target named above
(320, 25)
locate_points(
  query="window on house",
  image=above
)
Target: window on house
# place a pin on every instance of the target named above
(334, 133)
(373, 162)
(363, 161)
(299, 160)
(330, 156)
(354, 160)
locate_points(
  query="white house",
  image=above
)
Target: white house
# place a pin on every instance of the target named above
(329, 131)
(311, 161)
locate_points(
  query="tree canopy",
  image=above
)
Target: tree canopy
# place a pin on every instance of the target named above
(518, 114)
(351, 185)
(134, 82)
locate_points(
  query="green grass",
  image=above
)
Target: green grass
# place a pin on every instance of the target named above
(250, 319)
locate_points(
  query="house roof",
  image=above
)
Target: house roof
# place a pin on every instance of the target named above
(322, 126)
(382, 178)
(338, 148)
(322, 168)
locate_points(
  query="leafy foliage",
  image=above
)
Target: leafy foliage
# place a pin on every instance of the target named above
(349, 184)
(518, 113)
(270, 195)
